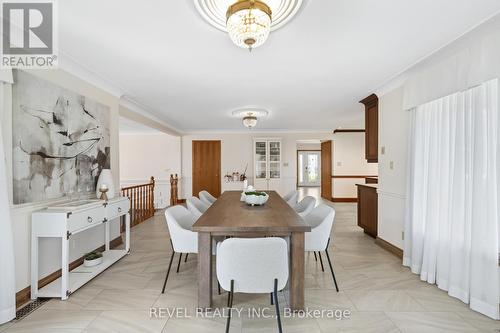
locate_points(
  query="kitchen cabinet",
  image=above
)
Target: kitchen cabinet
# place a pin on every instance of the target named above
(367, 208)
(371, 128)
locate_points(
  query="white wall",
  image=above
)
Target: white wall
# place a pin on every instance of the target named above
(163, 155)
(349, 159)
(237, 151)
(393, 136)
(50, 252)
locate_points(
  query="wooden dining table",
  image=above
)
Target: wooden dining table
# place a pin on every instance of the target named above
(228, 216)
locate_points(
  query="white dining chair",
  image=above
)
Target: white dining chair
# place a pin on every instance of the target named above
(252, 265)
(196, 206)
(291, 197)
(305, 206)
(207, 198)
(321, 221)
(182, 239)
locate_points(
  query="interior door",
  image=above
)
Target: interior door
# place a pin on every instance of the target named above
(309, 168)
(326, 169)
(207, 167)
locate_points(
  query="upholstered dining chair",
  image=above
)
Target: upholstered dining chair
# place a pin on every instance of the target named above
(182, 239)
(252, 265)
(207, 198)
(291, 197)
(196, 206)
(305, 206)
(321, 220)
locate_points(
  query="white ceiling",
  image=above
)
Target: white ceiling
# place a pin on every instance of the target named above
(129, 127)
(310, 74)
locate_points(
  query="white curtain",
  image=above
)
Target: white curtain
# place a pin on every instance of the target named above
(7, 271)
(453, 199)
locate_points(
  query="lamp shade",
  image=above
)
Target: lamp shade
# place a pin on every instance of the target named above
(105, 179)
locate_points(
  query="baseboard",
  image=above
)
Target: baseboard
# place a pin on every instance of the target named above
(389, 247)
(24, 296)
(345, 199)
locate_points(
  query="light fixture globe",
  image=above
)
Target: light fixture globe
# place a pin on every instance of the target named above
(249, 115)
(250, 121)
(248, 23)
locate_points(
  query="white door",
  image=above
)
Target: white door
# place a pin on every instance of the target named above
(309, 168)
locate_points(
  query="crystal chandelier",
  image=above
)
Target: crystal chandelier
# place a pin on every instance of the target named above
(249, 121)
(248, 23)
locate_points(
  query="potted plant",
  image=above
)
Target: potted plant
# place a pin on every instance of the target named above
(256, 198)
(91, 259)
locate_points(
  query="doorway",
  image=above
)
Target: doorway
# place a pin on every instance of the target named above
(308, 168)
(207, 167)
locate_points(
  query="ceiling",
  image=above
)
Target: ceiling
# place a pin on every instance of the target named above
(310, 74)
(127, 126)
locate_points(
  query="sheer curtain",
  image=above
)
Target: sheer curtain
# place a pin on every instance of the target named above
(7, 272)
(452, 213)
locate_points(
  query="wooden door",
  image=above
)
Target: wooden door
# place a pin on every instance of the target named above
(207, 167)
(326, 170)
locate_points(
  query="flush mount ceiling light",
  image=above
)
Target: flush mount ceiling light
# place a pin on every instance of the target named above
(250, 115)
(248, 22)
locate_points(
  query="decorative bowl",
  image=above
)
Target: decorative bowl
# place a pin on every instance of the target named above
(256, 198)
(92, 263)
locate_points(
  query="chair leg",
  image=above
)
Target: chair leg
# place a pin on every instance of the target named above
(230, 305)
(315, 257)
(168, 272)
(272, 301)
(278, 317)
(331, 268)
(179, 263)
(321, 261)
(218, 287)
(186, 259)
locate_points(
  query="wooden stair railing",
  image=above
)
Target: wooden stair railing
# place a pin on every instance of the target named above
(142, 201)
(174, 192)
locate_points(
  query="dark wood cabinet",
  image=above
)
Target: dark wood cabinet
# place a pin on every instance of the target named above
(371, 128)
(367, 208)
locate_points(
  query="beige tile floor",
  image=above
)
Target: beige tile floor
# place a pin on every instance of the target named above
(381, 295)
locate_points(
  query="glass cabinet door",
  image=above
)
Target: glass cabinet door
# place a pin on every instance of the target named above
(261, 159)
(274, 159)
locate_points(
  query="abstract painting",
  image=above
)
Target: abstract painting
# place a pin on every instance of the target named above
(61, 140)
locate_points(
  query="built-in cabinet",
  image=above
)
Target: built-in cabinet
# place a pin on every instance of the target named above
(368, 208)
(267, 163)
(371, 128)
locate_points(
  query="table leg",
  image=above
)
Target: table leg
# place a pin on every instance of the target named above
(64, 267)
(204, 270)
(106, 236)
(297, 274)
(127, 232)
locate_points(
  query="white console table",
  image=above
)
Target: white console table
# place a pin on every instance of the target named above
(65, 220)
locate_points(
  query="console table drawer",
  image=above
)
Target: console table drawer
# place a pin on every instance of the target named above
(85, 219)
(116, 209)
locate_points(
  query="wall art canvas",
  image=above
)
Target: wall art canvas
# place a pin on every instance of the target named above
(61, 140)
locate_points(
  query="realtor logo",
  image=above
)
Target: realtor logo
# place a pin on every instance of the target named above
(28, 34)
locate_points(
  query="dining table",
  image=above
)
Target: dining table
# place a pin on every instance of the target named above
(231, 217)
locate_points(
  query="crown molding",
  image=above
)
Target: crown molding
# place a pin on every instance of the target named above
(260, 131)
(134, 106)
(70, 65)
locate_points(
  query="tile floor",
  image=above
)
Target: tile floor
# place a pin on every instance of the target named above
(381, 295)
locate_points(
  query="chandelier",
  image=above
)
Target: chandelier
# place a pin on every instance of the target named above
(249, 115)
(248, 23)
